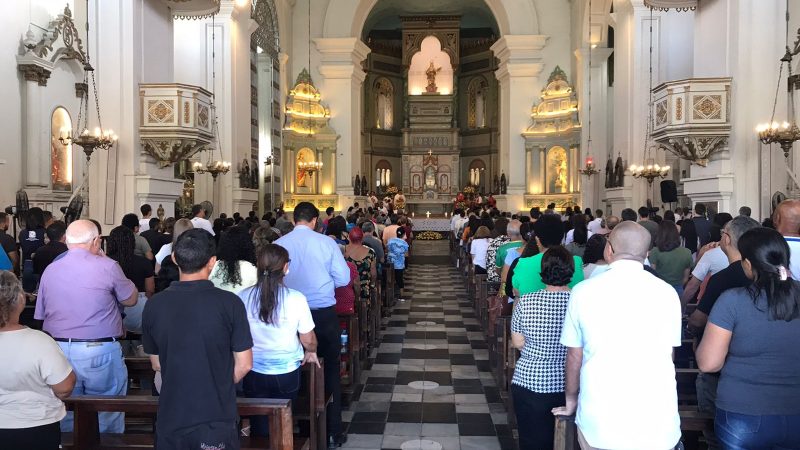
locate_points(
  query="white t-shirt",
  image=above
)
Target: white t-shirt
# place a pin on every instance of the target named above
(570, 238)
(165, 251)
(199, 222)
(276, 347)
(595, 225)
(247, 271)
(32, 362)
(712, 262)
(144, 225)
(628, 397)
(478, 250)
(794, 256)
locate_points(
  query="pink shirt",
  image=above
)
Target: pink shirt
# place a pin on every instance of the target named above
(79, 296)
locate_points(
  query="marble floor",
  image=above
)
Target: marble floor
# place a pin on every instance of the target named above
(429, 385)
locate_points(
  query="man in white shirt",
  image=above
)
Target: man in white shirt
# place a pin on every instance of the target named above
(616, 411)
(596, 225)
(711, 259)
(787, 222)
(199, 219)
(147, 214)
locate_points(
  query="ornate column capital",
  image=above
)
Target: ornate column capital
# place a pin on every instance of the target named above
(34, 72)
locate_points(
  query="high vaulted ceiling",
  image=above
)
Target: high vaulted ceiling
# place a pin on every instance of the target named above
(386, 13)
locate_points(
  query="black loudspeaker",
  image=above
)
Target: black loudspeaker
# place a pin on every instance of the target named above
(669, 191)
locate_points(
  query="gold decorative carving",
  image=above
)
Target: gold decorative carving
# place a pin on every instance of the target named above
(679, 109)
(186, 113)
(160, 111)
(695, 149)
(707, 107)
(167, 151)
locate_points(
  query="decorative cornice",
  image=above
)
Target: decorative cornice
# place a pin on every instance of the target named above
(33, 72)
(342, 50)
(519, 48)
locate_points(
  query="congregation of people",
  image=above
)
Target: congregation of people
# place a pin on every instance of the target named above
(235, 306)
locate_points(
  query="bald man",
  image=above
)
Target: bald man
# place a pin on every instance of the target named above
(79, 300)
(787, 222)
(611, 223)
(613, 411)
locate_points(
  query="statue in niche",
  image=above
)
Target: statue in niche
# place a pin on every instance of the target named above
(431, 75)
(301, 172)
(244, 175)
(557, 170)
(364, 185)
(503, 184)
(357, 185)
(609, 173)
(430, 178)
(619, 173)
(496, 184)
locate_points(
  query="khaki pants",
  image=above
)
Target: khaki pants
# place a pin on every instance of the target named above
(585, 445)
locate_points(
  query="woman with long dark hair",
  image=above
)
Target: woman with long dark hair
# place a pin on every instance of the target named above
(236, 255)
(577, 237)
(751, 336)
(120, 246)
(594, 262)
(283, 334)
(337, 230)
(671, 262)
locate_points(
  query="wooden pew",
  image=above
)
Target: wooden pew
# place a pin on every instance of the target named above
(86, 435)
(351, 364)
(566, 434)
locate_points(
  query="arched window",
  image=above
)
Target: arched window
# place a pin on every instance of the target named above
(383, 173)
(384, 104)
(477, 169)
(476, 114)
(60, 154)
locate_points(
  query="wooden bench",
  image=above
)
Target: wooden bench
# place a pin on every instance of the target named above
(86, 435)
(350, 361)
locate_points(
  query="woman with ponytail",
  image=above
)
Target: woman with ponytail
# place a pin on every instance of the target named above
(283, 333)
(753, 337)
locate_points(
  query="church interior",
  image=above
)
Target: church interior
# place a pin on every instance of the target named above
(257, 106)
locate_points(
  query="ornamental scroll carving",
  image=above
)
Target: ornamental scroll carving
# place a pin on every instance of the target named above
(444, 28)
(168, 151)
(64, 28)
(697, 149)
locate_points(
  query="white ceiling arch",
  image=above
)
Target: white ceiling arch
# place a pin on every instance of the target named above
(346, 18)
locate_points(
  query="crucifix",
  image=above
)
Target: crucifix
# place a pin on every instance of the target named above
(430, 153)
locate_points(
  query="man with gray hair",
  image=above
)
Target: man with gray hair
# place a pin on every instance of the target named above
(373, 242)
(515, 241)
(614, 411)
(745, 211)
(729, 278)
(79, 301)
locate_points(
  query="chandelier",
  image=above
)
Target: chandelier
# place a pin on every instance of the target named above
(101, 138)
(212, 166)
(649, 170)
(787, 133)
(589, 169)
(309, 167)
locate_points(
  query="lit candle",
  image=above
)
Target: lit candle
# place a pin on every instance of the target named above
(412, 213)
(97, 131)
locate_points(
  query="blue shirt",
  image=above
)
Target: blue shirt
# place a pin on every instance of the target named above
(317, 266)
(5, 263)
(397, 249)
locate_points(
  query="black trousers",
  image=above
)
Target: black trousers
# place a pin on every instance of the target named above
(258, 385)
(534, 417)
(398, 278)
(44, 437)
(328, 331)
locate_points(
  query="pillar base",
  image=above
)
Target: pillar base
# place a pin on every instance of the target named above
(158, 191)
(245, 200)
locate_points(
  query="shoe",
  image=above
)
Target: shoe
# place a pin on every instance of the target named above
(336, 441)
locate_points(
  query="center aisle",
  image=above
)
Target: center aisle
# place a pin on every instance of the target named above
(430, 385)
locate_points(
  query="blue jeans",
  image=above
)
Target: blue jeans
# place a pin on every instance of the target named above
(258, 385)
(745, 432)
(101, 370)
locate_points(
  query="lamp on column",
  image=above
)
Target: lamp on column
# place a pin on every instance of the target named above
(650, 170)
(787, 133)
(589, 169)
(212, 166)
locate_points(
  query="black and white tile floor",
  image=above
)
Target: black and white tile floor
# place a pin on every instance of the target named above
(429, 386)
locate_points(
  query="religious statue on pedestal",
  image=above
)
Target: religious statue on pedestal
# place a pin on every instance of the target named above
(431, 75)
(503, 184)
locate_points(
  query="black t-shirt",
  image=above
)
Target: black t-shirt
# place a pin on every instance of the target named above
(728, 278)
(155, 239)
(194, 327)
(7, 242)
(46, 255)
(140, 269)
(30, 241)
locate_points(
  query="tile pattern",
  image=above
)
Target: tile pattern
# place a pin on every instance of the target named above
(429, 385)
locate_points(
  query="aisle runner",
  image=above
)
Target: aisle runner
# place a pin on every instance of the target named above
(430, 386)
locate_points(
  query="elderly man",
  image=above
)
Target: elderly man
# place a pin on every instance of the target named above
(787, 222)
(515, 241)
(79, 300)
(613, 411)
(316, 267)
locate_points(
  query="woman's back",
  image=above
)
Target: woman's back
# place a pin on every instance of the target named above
(760, 375)
(247, 272)
(276, 346)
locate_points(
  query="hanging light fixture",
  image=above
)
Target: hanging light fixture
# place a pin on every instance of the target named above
(100, 138)
(649, 170)
(589, 168)
(787, 133)
(219, 166)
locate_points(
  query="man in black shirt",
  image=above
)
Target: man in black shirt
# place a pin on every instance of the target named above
(198, 337)
(729, 278)
(701, 224)
(155, 238)
(7, 242)
(56, 233)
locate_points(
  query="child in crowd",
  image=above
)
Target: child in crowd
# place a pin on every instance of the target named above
(397, 249)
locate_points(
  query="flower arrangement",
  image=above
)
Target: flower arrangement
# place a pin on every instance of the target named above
(469, 189)
(429, 236)
(392, 190)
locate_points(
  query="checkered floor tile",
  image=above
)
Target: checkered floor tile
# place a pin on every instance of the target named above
(429, 385)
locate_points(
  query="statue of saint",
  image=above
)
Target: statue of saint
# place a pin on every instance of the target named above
(503, 184)
(244, 175)
(431, 75)
(301, 172)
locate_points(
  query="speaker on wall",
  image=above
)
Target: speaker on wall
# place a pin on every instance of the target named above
(669, 191)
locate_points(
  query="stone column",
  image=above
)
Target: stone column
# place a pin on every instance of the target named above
(341, 89)
(36, 165)
(520, 65)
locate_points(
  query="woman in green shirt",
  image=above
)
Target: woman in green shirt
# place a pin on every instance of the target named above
(671, 262)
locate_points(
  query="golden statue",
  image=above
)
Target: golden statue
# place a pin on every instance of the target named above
(301, 172)
(431, 74)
